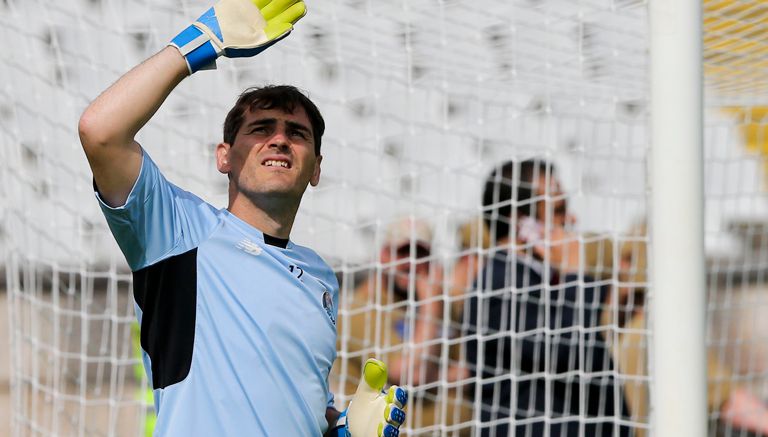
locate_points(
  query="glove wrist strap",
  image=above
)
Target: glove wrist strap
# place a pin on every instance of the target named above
(197, 49)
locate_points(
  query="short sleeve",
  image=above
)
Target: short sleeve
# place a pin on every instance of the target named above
(158, 218)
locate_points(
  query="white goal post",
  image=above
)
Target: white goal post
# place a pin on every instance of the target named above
(679, 389)
(660, 182)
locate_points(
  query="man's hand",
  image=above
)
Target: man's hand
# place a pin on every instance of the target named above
(236, 29)
(563, 250)
(371, 412)
(429, 285)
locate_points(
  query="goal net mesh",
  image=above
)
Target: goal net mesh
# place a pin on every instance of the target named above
(422, 101)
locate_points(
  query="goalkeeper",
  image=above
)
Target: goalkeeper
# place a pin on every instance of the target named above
(238, 323)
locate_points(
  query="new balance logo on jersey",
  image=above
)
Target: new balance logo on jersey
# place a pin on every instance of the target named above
(250, 247)
(328, 305)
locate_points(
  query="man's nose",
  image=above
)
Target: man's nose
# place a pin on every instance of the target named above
(279, 139)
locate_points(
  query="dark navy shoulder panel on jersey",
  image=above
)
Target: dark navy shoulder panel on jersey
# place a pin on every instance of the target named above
(166, 293)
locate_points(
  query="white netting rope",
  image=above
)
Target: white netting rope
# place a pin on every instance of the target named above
(421, 99)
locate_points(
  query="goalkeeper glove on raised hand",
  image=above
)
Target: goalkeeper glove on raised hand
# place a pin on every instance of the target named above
(371, 412)
(237, 29)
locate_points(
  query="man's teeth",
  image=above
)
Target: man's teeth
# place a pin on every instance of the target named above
(274, 163)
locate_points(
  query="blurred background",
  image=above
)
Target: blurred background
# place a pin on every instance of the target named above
(422, 99)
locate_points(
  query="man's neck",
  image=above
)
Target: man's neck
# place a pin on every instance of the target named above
(271, 217)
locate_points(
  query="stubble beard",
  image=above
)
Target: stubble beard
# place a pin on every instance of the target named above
(269, 194)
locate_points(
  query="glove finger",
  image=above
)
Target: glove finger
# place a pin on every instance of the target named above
(387, 430)
(275, 8)
(261, 4)
(394, 415)
(274, 30)
(292, 14)
(397, 396)
(374, 376)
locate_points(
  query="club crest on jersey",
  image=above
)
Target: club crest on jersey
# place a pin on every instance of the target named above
(328, 305)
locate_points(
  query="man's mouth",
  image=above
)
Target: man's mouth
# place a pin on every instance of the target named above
(276, 163)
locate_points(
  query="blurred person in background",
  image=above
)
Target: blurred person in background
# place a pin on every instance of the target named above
(474, 241)
(732, 403)
(536, 345)
(399, 309)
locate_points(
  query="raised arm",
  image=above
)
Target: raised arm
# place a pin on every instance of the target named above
(231, 28)
(108, 126)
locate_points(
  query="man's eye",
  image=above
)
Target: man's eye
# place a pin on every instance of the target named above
(299, 134)
(258, 130)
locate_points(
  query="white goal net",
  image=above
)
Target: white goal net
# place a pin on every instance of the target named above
(433, 109)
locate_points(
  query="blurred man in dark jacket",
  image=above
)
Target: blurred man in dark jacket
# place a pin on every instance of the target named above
(539, 353)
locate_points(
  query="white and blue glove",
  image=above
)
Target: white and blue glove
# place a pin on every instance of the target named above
(372, 412)
(237, 29)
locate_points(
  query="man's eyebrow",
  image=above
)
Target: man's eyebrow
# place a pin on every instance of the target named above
(298, 126)
(262, 121)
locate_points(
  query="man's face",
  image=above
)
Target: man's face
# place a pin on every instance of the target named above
(403, 261)
(273, 154)
(553, 207)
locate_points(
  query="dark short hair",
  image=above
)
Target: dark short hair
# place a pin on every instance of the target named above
(511, 183)
(283, 97)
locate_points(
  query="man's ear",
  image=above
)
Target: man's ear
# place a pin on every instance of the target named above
(222, 158)
(316, 174)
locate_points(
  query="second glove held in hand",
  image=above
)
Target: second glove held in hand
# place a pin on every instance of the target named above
(371, 412)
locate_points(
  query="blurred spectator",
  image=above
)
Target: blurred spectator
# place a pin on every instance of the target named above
(726, 399)
(398, 310)
(543, 366)
(474, 240)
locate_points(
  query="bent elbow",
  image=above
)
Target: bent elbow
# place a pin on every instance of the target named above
(92, 135)
(97, 133)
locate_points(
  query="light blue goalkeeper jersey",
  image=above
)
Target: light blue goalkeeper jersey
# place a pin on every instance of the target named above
(238, 335)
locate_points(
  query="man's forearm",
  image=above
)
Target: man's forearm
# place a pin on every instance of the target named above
(109, 124)
(126, 106)
(428, 323)
(426, 329)
(429, 313)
